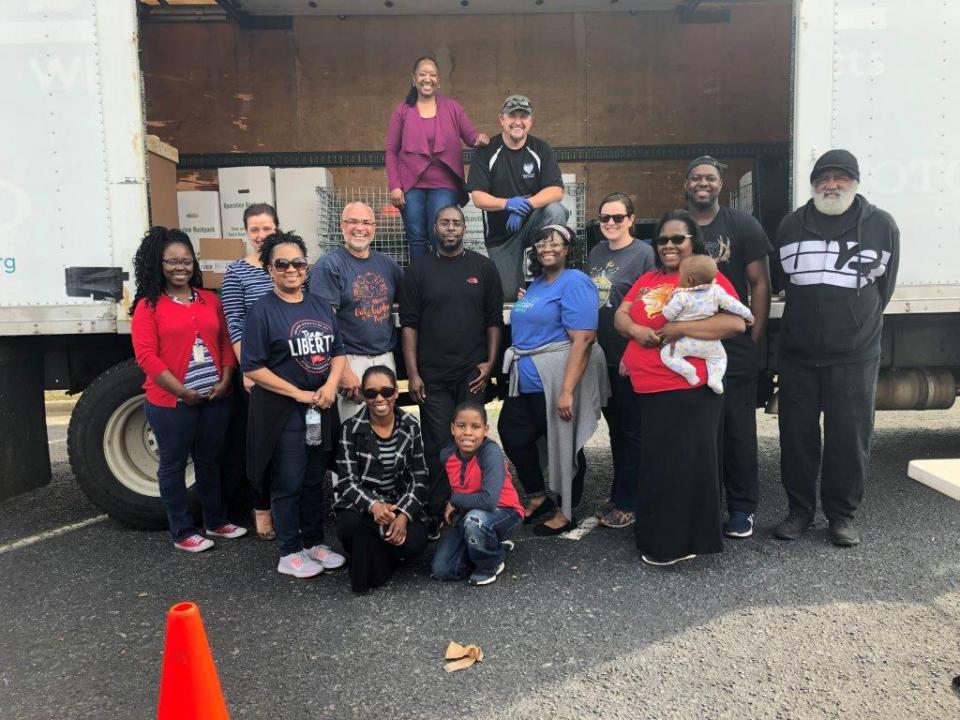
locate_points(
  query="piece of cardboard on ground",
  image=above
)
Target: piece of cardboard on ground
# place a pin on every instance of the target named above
(942, 475)
(215, 255)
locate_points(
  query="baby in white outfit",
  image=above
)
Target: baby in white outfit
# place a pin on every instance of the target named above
(698, 297)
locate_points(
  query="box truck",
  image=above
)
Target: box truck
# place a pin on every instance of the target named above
(875, 77)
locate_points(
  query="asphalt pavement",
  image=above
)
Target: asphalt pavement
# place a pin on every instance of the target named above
(572, 629)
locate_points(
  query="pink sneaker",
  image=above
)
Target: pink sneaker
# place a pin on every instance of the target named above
(325, 556)
(194, 543)
(228, 531)
(299, 565)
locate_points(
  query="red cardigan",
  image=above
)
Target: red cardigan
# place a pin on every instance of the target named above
(163, 338)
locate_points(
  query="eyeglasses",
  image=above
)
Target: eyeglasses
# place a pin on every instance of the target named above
(618, 218)
(450, 223)
(386, 392)
(282, 264)
(178, 262)
(673, 239)
(553, 244)
(703, 178)
(353, 222)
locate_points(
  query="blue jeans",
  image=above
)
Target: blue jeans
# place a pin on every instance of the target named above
(419, 212)
(296, 490)
(472, 544)
(196, 431)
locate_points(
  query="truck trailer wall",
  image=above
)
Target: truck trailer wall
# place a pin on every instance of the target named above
(595, 79)
(72, 174)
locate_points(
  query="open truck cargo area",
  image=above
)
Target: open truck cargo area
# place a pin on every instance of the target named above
(627, 93)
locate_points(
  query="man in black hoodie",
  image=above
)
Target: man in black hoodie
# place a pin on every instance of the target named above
(840, 255)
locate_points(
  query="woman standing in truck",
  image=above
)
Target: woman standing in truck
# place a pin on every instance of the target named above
(180, 342)
(424, 162)
(293, 353)
(244, 282)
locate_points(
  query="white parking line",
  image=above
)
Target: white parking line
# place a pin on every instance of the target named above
(55, 442)
(33, 539)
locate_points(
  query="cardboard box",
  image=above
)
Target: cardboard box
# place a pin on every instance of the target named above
(298, 205)
(162, 162)
(199, 213)
(241, 187)
(215, 254)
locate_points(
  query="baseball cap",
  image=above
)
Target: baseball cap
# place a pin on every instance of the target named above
(515, 103)
(705, 160)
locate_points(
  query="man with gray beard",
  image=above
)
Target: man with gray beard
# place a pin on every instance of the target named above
(840, 255)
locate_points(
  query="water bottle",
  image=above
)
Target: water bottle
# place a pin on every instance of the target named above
(313, 420)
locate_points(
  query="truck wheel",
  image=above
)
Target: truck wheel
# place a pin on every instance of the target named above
(113, 451)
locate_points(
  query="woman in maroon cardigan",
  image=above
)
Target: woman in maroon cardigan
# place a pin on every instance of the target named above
(181, 342)
(424, 161)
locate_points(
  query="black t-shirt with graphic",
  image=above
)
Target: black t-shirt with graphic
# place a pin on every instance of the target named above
(294, 340)
(362, 292)
(506, 173)
(735, 239)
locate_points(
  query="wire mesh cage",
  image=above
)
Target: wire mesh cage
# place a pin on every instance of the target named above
(390, 238)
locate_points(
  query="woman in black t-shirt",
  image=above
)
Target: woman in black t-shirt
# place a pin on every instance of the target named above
(292, 350)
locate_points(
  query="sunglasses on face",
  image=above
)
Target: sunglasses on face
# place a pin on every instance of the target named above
(282, 264)
(618, 218)
(386, 392)
(673, 239)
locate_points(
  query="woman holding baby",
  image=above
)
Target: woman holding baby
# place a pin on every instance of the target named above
(678, 501)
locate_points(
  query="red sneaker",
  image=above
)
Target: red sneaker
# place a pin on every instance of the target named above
(228, 531)
(194, 543)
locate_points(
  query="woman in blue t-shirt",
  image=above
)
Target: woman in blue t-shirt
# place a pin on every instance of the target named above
(558, 381)
(291, 349)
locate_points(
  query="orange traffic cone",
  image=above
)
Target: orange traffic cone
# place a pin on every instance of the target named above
(189, 688)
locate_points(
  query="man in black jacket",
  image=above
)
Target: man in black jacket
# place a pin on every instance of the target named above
(840, 255)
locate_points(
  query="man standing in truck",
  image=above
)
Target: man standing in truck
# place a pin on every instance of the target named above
(516, 181)
(451, 318)
(740, 247)
(840, 255)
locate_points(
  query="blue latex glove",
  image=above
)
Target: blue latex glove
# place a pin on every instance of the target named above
(514, 222)
(520, 206)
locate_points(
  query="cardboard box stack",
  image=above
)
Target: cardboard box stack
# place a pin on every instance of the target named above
(241, 187)
(215, 254)
(199, 212)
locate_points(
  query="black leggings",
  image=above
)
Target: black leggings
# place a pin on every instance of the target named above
(372, 559)
(523, 421)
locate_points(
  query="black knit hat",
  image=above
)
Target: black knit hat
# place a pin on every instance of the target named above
(839, 159)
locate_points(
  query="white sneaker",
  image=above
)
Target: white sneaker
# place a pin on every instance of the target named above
(194, 543)
(299, 565)
(325, 556)
(666, 562)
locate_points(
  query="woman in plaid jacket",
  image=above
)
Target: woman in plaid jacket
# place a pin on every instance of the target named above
(381, 485)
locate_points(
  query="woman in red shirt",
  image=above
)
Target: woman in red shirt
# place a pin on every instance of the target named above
(181, 343)
(678, 501)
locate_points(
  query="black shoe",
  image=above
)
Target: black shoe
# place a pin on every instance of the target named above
(544, 530)
(433, 529)
(547, 507)
(843, 533)
(793, 527)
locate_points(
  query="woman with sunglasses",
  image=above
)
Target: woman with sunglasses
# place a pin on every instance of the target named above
(180, 341)
(382, 484)
(678, 500)
(614, 266)
(558, 381)
(244, 282)
(293, 353)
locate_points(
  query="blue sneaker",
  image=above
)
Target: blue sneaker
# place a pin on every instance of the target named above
(738, 525)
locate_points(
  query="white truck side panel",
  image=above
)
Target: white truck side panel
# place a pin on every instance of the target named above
(878, 77)
(72, 177)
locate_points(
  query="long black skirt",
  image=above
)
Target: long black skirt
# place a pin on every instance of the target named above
(678, 503)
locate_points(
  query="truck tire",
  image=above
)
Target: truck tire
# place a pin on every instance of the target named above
(113, 451)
